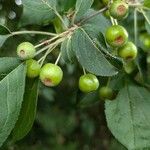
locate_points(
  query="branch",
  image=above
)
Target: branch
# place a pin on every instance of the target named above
(93, 15)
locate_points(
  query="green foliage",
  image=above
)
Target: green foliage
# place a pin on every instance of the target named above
(28, 111)
(11, 97)
(82, 6)
(128, 117)
(73, 34)
(38, 12)
(93, 61)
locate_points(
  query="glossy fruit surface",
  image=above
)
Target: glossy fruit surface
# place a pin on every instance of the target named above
(145, 42)
(106, 93)
(116, 36)
(26, 50)
(51, 75)
(88, 83)
(119, 9)
(33, 68)
(128, 51)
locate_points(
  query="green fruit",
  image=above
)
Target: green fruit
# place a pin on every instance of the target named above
(51, 75)
(145, 42)
(88, 83)
(129, 67)
(128, 51)
(116, 36)
(106, 93)
(119, 9)
(33, 68)
(26, 50)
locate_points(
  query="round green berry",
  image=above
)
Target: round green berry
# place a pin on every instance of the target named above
(145, 42)
(106, 93)
(119, 9)
(128, 51)
(51, 75)
(88, 83)
(116, 36)
(26, 50)
(33, 68)
(129, 67)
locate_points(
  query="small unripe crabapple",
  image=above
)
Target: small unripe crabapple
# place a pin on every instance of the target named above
(51, 75)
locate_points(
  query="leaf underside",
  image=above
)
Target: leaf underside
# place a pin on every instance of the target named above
(89, 56)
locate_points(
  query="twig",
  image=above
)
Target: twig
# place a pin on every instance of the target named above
(135, 26)
(58, 58)
(32, 32)
(93, 15)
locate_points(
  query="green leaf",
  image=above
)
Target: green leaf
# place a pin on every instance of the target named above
(4, 30)
(38, 11)
(128, 117)
(96, 24)
(11, 96)
(7, 64)
(28, 111)
(89, 56)
(67, 51)
(4, 34)
(115, 61)
(82, 6)
(65, 5)
(147, 25)
(3, 38)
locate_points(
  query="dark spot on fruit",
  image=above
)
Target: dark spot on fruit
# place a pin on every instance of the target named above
(119, 40)
(47, 82)
(129, 58)
(22, 52)
(121, 10)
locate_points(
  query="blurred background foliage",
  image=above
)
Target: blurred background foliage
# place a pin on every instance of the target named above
(66, 119)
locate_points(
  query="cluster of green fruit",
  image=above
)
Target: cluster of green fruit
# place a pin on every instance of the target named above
(116, 35)
(51, 74)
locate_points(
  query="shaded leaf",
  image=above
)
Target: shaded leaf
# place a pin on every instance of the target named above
(4, 30)
(82, 6)
(7, 64)
(96, 24)
(28, 111)
(89, 56)
(128, 117)
(67, 51)
(37, 12)
(11, 97)
(3, 38)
